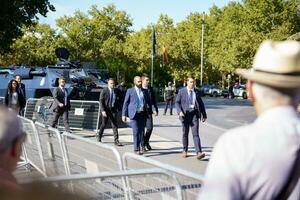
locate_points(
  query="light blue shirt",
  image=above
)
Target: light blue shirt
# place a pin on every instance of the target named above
(141, 102)
(194, 97)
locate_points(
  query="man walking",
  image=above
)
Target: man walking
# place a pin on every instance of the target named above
(190, 108)
(262, 160)
(109, 107)
(135, 108)
(61, 105)
(149, 121)
(169, 95)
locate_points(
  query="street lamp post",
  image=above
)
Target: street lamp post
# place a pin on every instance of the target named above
(202, 41)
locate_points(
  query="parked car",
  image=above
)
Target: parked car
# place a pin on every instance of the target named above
(240, 91)
(213, 91)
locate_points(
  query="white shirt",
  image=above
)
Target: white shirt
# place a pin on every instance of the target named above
(113, 96)
(66, 95)
(254, 161)
(14, 98)
(194, 97)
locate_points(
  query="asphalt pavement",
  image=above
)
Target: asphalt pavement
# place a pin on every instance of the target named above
(223, 114)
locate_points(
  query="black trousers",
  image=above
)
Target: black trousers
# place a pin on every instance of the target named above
(191, 120)
(114, 124)
(57, 114)
(171, 103)
(149, 129)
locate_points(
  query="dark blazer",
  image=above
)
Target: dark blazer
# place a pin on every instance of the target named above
(22, 90)
(182, 102)
(131, 102)
(59, 97)
(21, 99)
(104, 100)
(152, 99)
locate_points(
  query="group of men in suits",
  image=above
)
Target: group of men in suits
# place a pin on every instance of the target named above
(137, 110)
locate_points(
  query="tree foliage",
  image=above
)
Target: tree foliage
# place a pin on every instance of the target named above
(232, 35)
(14, 14)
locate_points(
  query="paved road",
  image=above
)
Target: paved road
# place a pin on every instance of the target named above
(223, 114)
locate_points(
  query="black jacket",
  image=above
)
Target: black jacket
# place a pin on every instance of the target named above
(152, 99)
(104, 101)
(59, 97)
(21, 99)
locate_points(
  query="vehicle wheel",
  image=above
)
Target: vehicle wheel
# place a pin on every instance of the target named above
(215, 94)
(245, 95)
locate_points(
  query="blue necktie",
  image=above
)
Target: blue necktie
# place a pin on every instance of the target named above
(191, 97)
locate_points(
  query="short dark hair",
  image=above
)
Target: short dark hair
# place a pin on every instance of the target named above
(61, 78)
(190, 77)
(18, 75)
(111, 79)
(145, 75)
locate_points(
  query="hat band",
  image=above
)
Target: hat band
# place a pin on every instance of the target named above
(287, 74)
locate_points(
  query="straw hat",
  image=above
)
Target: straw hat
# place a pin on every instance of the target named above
(275, 64)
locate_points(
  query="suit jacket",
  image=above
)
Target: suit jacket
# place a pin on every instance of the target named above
(131, 102)
(59, 97)
(104, 101)
(182, 102)
(22, 90)
(152, 99)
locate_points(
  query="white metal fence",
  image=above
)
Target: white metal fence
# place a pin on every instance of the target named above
(101, 185)
(190, 182)
(68, 155)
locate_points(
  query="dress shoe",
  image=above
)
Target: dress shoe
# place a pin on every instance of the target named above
(144, 149)
(200, 155)
(184, 154)
(148, 147)
(117, 143)
(141, 152)
(137, 152)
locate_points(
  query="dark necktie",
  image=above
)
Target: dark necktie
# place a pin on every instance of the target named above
(191, 97)
(111, 99)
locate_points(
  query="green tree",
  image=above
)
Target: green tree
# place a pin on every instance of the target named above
(16, 13)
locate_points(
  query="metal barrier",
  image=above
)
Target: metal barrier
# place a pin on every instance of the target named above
(53, 151)
(100, 185)
(83, 114)
(86, 156)
(190, 182)
(2, 99)
(32, 151)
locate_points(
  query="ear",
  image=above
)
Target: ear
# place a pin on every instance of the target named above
(250, 91)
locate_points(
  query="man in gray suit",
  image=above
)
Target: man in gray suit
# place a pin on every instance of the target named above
(61, 104)
(190, 108)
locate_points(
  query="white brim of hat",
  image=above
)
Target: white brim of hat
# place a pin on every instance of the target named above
(270, 79)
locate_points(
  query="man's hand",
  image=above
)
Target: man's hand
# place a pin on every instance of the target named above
(204, 119)
(104, 114)
(124, 119)
(181, 114)
(61, 105)
(155, 113)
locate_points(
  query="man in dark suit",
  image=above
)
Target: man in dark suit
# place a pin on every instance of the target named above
(149, 121)
(61, 104)
(22, 90)
(135, 108)
(190, 108)
(109, 106)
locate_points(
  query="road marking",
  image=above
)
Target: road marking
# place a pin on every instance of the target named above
(215, 127)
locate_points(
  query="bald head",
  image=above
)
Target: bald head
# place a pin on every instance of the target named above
(137, 81)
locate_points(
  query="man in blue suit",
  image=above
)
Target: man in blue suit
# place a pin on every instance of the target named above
(190, 108)
(135, 108)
